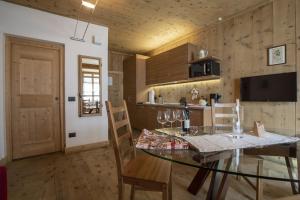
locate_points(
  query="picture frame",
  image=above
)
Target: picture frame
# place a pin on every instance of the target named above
(276, 55)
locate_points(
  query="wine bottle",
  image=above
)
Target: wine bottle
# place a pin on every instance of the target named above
(186, 121)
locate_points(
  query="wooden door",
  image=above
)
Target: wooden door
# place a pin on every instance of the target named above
(35, 97)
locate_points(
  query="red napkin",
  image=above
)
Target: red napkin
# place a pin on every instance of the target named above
(3, 183)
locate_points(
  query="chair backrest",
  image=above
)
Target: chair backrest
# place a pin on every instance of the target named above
(115, 125)
(227, 117)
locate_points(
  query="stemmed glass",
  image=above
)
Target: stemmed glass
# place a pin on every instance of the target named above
(180, 116)
(162, 118)
(171, 117)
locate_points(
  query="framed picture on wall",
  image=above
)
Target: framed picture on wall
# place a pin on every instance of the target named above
(277, 55)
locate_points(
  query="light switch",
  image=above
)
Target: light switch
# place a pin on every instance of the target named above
(71, 98)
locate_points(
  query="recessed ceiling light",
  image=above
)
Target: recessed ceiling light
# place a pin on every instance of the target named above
(88, 4)
(220, 18)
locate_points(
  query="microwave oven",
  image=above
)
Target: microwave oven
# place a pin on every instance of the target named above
(204, 68)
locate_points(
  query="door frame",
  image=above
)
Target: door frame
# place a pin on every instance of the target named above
(9, 39)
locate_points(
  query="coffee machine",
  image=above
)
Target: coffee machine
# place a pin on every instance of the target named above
(214, 96)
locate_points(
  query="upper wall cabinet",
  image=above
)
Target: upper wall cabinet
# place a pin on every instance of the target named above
(170, 66)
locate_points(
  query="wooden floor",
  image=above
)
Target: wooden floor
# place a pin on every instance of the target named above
(92, 175)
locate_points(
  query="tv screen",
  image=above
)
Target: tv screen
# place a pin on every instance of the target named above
(275, 87)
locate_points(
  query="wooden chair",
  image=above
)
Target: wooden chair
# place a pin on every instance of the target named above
(142, 172)
(216, 115)
(227, 122)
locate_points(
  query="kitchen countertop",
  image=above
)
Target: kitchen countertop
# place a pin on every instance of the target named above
(175, 105)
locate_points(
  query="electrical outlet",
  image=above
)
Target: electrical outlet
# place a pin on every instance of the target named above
(72, 134)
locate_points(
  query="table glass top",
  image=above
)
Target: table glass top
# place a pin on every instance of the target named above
(278, 162)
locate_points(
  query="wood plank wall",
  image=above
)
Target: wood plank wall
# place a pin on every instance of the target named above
(298, 62)
(242, 43)
(115, 70)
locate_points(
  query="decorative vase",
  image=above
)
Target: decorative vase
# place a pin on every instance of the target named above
(202, 53)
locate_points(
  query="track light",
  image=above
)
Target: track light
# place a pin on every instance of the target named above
(88, 4)
(91, 6)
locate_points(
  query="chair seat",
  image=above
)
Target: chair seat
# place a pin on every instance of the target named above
(147, 169)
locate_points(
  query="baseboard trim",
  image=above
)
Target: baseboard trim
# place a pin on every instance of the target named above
(86, 147)
(3, 161)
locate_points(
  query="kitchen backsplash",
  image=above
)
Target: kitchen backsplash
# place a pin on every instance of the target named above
(173, 93)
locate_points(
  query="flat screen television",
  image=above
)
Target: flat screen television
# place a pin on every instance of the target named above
(274, 87)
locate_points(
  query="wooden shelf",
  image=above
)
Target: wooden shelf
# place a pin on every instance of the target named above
(205, 59)
(202, 78)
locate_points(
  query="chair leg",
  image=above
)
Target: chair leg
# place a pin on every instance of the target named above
(132, 192)
(121, 189)
(259, 181)
(165, 192)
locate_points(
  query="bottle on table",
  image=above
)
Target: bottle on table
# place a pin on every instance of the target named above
(186, 117)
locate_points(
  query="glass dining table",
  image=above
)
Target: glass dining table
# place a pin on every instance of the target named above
(280, 162)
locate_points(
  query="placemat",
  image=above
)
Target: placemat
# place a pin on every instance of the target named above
(225, 141)
(152, 140)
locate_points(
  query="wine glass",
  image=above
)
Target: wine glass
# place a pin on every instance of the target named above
(180, 116)
(162, 118)
(171, 117)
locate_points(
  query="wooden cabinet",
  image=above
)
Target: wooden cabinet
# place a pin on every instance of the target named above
(140, 121)
(200, 117)
(170, 66)
(134, 83)
(145, 117)
(129, 84)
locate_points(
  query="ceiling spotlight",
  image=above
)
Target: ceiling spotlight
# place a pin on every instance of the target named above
(88, 4)
(220, 18)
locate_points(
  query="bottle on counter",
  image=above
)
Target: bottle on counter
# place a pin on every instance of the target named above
(151, 96)
(160, 99)
(186, 119)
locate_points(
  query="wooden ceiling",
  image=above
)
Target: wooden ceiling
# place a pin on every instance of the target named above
(140, 26)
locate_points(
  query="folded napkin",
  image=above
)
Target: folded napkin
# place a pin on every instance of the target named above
(152, 140)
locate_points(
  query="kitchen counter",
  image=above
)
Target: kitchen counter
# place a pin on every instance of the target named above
(176, 105)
